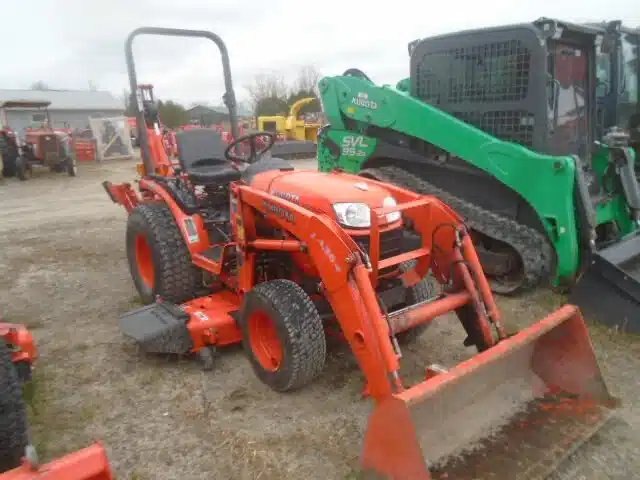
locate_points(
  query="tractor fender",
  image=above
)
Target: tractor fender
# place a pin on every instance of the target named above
(191, 227)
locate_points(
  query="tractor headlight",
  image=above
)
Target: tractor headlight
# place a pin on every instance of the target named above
(393, 216)
(353, 214)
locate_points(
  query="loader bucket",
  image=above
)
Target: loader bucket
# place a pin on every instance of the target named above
(513, 411)
(609, 290)
(90, 463)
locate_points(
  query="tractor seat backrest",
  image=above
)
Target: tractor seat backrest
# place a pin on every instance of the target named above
(200, 147)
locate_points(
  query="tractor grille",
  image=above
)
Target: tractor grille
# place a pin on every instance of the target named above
(484, 73)
(391, 243)
(512, 126)
(49, 146)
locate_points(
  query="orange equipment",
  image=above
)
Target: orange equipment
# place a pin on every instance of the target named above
(17, 354)
(21, 346)
(90, 463)
(286, 254)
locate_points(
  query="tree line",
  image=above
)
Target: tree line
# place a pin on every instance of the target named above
(269, 94)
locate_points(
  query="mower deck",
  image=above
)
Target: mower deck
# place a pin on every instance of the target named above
(164, 327)
(158, 328)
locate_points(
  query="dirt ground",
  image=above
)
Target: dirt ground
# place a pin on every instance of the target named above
(65, 275)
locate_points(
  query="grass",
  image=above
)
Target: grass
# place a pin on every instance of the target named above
(39, 412)
(50, 421)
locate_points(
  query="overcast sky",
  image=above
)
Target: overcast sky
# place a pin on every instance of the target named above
(69, 43)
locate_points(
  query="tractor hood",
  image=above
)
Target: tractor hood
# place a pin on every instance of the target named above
(319, 191)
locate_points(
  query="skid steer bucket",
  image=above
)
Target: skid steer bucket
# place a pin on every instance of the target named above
(609, 290)
(90, 463)
(513, 411)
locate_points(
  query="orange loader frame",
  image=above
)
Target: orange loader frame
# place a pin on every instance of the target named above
(557, 349)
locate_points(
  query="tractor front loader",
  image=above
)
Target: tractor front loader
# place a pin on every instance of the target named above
(228, 248)
(500, 124)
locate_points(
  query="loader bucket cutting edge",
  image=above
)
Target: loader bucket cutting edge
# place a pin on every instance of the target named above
(609, 290)
(515, 410)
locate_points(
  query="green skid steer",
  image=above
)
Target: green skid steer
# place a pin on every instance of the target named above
(527, 132)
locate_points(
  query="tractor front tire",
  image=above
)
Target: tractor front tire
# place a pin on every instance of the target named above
(13, 415)
(421, 291)
(159, 260)
(283, 335)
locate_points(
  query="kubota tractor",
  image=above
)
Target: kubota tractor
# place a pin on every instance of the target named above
(17, 457)
(228, 248)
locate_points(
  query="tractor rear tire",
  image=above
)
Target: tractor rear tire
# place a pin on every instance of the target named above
(283, 335)
(421, 291)
(22, 169)
(13, 415)
(159, 260)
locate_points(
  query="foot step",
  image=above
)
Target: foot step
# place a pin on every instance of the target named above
(158, 328)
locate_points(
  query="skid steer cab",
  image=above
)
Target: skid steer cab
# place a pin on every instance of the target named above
(228, 248)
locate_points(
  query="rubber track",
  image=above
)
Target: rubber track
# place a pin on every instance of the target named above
(304, 328)
(178, 277)
(533, 247)
(13, 417)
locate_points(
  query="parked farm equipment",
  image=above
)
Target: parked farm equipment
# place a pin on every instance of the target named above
(42, 146)
(18, 460)
(227, 248)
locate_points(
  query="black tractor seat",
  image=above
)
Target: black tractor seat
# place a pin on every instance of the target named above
(213, 171)
(201, 156)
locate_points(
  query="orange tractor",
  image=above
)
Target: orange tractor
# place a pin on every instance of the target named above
(42, 146)
(18, 460)
(227, 248)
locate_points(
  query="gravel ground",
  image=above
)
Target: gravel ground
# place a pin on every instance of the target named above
(65, 275)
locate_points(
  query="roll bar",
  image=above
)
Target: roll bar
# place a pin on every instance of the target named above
(229, 96)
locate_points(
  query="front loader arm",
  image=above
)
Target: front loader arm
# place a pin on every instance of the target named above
(545, 182)
(337, 259)
(349, 285)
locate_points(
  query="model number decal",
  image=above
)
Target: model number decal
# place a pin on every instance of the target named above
(278, 211)
(327, 251)
(192, 231)
(354, 145)
(201, 316)
(362, 100)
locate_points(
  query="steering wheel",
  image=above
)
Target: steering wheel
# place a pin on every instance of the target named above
(255, 151)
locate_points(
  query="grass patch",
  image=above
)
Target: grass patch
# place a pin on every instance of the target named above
(39, 412)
